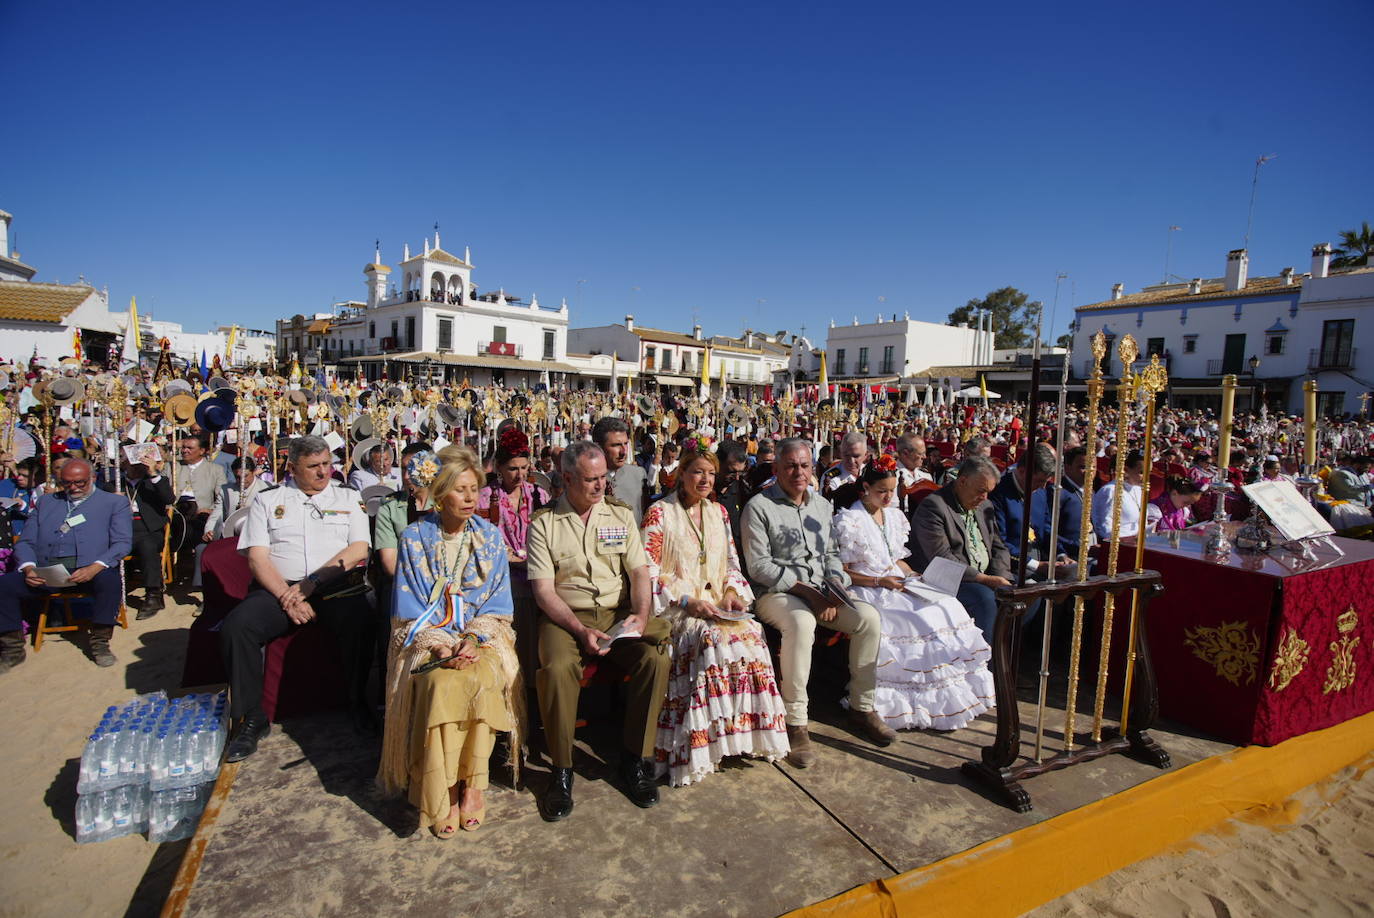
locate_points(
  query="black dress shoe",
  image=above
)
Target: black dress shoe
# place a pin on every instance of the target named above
(640, 782)
(152, 605)
(557, 801)
(245, 742)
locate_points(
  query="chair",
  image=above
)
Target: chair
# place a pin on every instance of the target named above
(68, 620)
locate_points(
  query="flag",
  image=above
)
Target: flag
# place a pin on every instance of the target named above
(615, 377)
(204, 366)
(825, 379)
(229, 347)
(705, 374)
(983, 387)
(76, 344)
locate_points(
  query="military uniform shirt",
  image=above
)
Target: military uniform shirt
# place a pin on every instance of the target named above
(304, 532)
(587, 562)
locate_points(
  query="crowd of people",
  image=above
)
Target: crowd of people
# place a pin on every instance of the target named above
(499, 571)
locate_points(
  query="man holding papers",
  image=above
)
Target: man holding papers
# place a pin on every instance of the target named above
(88, 532)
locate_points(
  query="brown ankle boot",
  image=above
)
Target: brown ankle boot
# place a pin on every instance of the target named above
(11, 650)
(100, 645)
(802, 753)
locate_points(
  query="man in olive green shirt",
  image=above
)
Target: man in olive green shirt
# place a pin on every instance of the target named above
(589, 573)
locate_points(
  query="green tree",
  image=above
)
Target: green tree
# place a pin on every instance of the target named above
(1013, 316)
(1356, 247)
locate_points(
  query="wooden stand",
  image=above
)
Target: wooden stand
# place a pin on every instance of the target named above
(999, 769)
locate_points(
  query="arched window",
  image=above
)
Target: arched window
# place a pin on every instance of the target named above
(436, 287)
(455, 288)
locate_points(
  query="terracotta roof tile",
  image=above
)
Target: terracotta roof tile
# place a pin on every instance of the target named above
(667, 337)
(29, 302)
(1214, 290)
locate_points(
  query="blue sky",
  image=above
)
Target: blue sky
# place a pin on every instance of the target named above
(235, 164)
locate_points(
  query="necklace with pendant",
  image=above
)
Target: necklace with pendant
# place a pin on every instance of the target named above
(699, 533)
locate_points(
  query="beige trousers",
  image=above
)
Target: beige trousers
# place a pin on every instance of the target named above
(795, 620)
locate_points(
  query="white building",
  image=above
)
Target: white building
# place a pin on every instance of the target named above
(896, 350)
(435, 323)
(664, 359)
(251, 346)
(44, 318)
(1271, 332)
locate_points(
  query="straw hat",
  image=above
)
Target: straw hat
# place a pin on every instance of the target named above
(66, 390)
(362, 449)
(180, 409)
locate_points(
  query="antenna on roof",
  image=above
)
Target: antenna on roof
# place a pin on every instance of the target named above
(1168, 250)
(1254, 187)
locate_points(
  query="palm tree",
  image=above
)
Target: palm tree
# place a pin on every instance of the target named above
(1356, 247)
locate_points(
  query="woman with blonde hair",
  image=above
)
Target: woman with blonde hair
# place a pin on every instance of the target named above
(723, 697)
(451, 602)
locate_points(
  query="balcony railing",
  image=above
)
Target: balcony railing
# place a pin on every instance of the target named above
(1331, 358)
(501, 349)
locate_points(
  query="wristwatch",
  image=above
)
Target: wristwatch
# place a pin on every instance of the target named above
(313, 578)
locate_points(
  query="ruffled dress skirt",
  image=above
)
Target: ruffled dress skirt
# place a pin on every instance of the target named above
(722, 700)
(932, 661)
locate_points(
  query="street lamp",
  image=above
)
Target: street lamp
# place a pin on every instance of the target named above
(1253, 363)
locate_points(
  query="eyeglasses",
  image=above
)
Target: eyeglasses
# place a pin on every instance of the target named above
(315, 511)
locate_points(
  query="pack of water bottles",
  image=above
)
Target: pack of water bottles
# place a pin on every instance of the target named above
(149, 766)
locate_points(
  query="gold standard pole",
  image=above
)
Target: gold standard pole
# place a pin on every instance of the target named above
(1228, 411)
(1127, 351)
(1150, 383)
(1085, 528)
(1309, 423)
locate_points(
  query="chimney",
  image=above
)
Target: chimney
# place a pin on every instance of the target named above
(696, 332)
(4, 234)
(1237, 269)
(1287, 275)
(1195, 285)
(749, 339)
(1118, 290)
(629, 323)
(1321, 259)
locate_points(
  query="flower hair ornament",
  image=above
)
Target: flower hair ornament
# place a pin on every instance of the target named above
(698, 444)
(513, 442)
(887, 462)
(422, 468)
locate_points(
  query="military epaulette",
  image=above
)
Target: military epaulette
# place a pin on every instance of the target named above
(617, 502)
(542, 510)
(393, 497)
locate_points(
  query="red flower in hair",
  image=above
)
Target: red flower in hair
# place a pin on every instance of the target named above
(514, 442)
(886, 462)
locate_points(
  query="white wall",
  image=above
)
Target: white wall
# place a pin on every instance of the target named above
(916, 346)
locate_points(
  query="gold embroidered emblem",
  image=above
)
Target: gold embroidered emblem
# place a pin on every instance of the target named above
(1340, 675)
(1289, 660)
(1231, 647)
(280, 511)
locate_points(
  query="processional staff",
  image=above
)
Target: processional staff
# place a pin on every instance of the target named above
(1149, 384)
(1126, 351)
(1053, 551)
(1095, 388)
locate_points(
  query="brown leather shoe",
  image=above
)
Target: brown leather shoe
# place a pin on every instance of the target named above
(802, 753)
(871, 727)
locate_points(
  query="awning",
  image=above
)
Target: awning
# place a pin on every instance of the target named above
(674, 381)
(465, 360)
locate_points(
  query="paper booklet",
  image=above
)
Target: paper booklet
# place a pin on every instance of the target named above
(55, 576)
(147, 453)
(941, 574)
(619, 631)
(1291, 514)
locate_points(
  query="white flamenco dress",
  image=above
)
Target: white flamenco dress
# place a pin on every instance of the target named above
(932, 659)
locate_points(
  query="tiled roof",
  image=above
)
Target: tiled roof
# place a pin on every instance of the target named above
(377, 268)
(1212, 290)
(959, 371)
(318, 327)
(25, 301)
(468, 360)
(667, 337)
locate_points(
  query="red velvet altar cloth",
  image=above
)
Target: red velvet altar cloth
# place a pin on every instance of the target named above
(301, 670)
(1259, 648)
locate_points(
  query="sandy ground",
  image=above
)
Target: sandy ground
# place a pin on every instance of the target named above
(51, 702)
(1312, 855)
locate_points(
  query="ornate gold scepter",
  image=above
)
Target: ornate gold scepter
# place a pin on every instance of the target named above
(1126, 351)
(1149, 384)
(1085, 528)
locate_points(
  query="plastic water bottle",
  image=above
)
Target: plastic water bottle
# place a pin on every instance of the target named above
(195, 755)
(104, 813)
(128, 750)
(157, 760)
(90, 762)
(85, 818)
(123, 810)
(107, 758)
(176, 756)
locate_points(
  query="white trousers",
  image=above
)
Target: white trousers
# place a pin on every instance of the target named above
(797, 623)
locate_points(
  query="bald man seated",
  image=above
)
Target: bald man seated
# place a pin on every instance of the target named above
(86, 530)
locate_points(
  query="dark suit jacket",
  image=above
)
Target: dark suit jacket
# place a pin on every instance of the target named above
(937, 530)
(153, 499)
(104, 535)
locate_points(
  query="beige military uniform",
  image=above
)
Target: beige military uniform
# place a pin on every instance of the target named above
(589, 565)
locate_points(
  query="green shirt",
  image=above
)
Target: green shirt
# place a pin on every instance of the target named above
(978, 556)
(392, 519)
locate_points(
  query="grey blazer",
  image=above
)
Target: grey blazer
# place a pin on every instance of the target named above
(937, 530)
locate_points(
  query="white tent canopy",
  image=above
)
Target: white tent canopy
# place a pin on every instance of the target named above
(975, 392)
